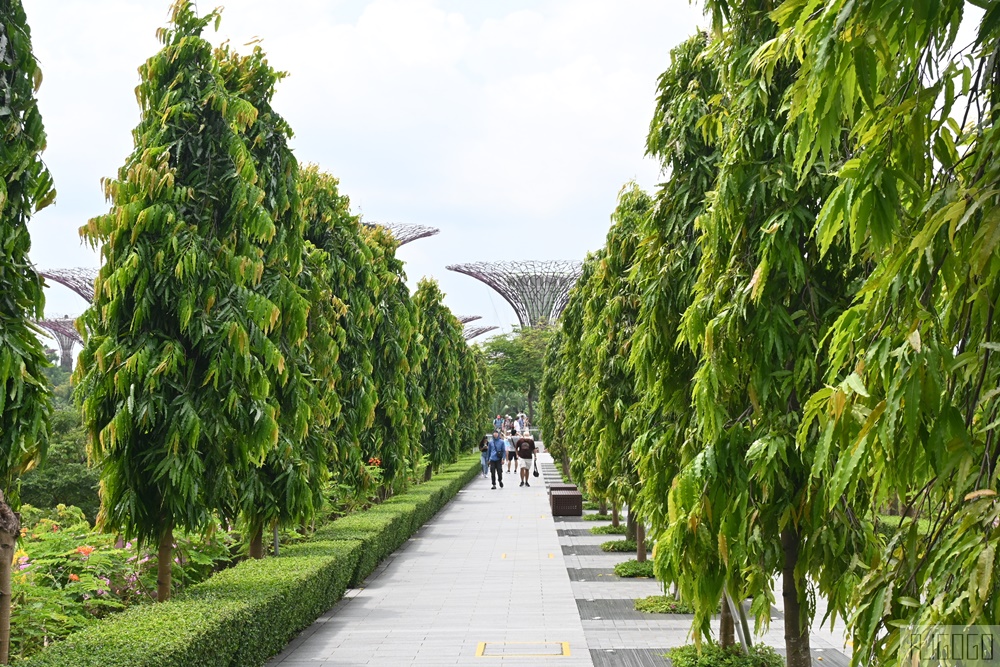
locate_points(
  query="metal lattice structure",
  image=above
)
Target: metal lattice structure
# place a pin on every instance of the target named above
(479, 330)
(66, 335)
(465, 319)
(405, 232)
(80, 280)
(537, 291)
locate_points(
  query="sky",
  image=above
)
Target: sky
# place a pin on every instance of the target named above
(510, 126)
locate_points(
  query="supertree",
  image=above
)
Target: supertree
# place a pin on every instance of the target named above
(405, 232)
(64, 331)
(471, 332)
(79, 279)
(536, 290)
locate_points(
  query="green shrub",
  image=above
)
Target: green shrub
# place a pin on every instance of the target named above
(621, 546)
(591, 505)
(633, 568)
(64, 477)
(377, 532)
(241, 616)
(662, 604)
(246, 614)
(713, 655)
(596, 517)
(608, 530)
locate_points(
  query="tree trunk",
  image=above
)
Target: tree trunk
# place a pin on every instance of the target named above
(796, 632)
(640, 541)
(531, 405)
(727, 627)
(428, 471)
(565, 466)
(10, 530)
(276, 539)
(615, 520)
(630, 526)
(257, 543)
(164, 564)
(603, 509)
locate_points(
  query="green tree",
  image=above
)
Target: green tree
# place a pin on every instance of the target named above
(25, 187)
(347, 287)
(614, 300)
(176, 371)
(64, 476)
(572, 424)
(286, 488)
(910, 411)
(515, 361)
(670, 458)
(764, 300)
(551, 393)
(398, 363)
(473, 396)
(441, 376)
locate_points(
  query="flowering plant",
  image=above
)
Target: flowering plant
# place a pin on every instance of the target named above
(67, 575)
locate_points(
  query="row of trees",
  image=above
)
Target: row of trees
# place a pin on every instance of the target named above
(796, 333)
(250, 342)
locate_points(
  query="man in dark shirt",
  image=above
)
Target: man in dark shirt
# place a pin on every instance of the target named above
(525, 448)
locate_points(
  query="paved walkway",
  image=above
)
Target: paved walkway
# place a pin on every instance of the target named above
(485, 576)
(493, 579)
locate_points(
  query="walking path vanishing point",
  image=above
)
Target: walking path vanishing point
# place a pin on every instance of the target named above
(494, 579)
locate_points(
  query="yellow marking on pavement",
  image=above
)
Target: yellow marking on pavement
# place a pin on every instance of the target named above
(563, 647)
(551, 556)
(503, 556)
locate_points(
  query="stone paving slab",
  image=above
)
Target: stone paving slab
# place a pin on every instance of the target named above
(602, 560)
(616, 587)
(486, 575)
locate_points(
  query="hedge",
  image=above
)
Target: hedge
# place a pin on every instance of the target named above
(246, 614)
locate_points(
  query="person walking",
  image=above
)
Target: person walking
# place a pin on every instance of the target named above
(497, 451)
(498, 423)
(525, 448)
(511, 455)
(484, 452)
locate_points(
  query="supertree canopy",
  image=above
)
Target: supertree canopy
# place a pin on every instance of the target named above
(66, 335)
(405, 232)
(465, 319)
(80, 280)
(477, 330)
(537, 291)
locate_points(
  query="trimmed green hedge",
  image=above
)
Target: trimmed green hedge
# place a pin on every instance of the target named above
(244, 615)
(241, 616)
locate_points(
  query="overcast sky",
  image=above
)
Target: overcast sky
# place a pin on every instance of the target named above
(510, 126)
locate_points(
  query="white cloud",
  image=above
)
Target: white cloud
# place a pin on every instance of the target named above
(511, 126)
